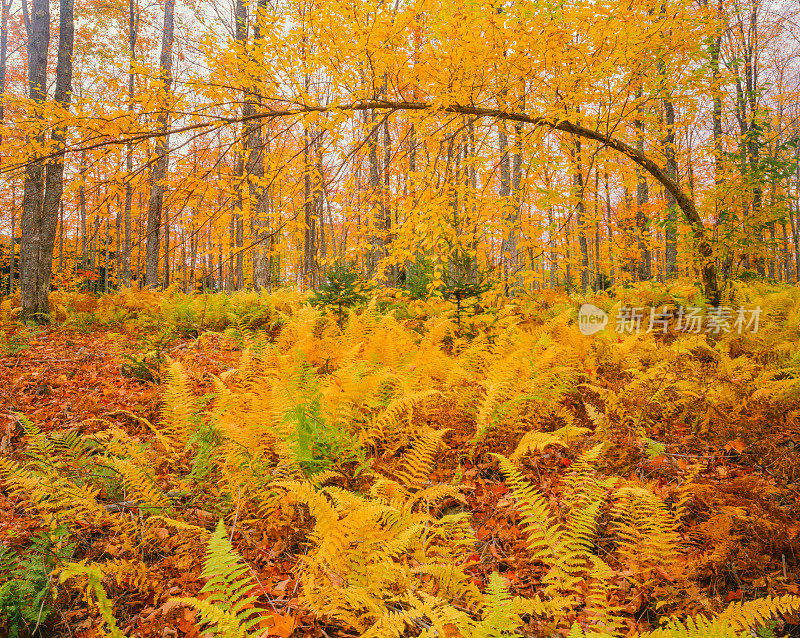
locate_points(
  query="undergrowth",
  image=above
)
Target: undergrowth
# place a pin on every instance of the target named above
(362, 446)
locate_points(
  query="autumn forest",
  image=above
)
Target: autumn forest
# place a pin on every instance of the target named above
(217, 147)
(409, 318)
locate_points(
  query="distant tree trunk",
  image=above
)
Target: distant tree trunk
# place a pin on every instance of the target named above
(192, 260)
(254, 168)
(82, 210)
(580, 213)
(230, 285)
(716, 113)
(184, 269)
(140, 234)
(795, 227)
(552, 242)
(106, 244)
(309, 237)
(165, 284)
(671, 232)
(609, 228)
(375, 194)
(94, 259)
(133, 30)
(642, 197)
(4, 11)
(598, 273)
(505, 201)
(61, 239)
(319, 193)
(118, 238)
(241, 178)
(510, 191)
(159, 174)
(12, 261)
(389, 276)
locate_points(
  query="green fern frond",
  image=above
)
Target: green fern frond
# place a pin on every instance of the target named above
(228, 607)
(500, 613)
(94, 573)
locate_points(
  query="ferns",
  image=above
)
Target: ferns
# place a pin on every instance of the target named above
(737, 621)
(94, 575)
(228, 605)
(328, 444)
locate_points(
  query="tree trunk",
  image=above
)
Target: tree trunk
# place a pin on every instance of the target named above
(82, 210)
(38, 29)
(133, 30)
(580, 213)
(54, 172)
(4, 11)
(794, 225)
(671, 232)
(716, 114)
(159, 174)
(642, 198)
(12, 261)
(165, 283)
(610, 230)
(61, 239)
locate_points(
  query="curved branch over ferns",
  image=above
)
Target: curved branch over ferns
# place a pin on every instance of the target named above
(684, 201)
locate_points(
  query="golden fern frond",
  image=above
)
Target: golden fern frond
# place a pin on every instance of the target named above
(391, 624)
(685, 493)
(419, 461)
(37, 442)
(433, 493)
(390, 416)
(133, 575)
(451, 582)
(756, 613)
(500, 611)
(450, 538)
(542, 531)
(699, 627)
(648, 530)
(51, 494)
(178, 412)
(140, 484)
(533, 442)
(583, 469)
(496, 394)
(388, 491)
(434, 615)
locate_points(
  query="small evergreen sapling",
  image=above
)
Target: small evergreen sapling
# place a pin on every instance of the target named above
(464, 280)
(343, 288)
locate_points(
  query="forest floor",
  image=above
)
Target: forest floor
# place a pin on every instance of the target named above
(743, 525)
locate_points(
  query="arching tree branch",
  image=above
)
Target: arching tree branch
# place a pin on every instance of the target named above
(684, 201)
